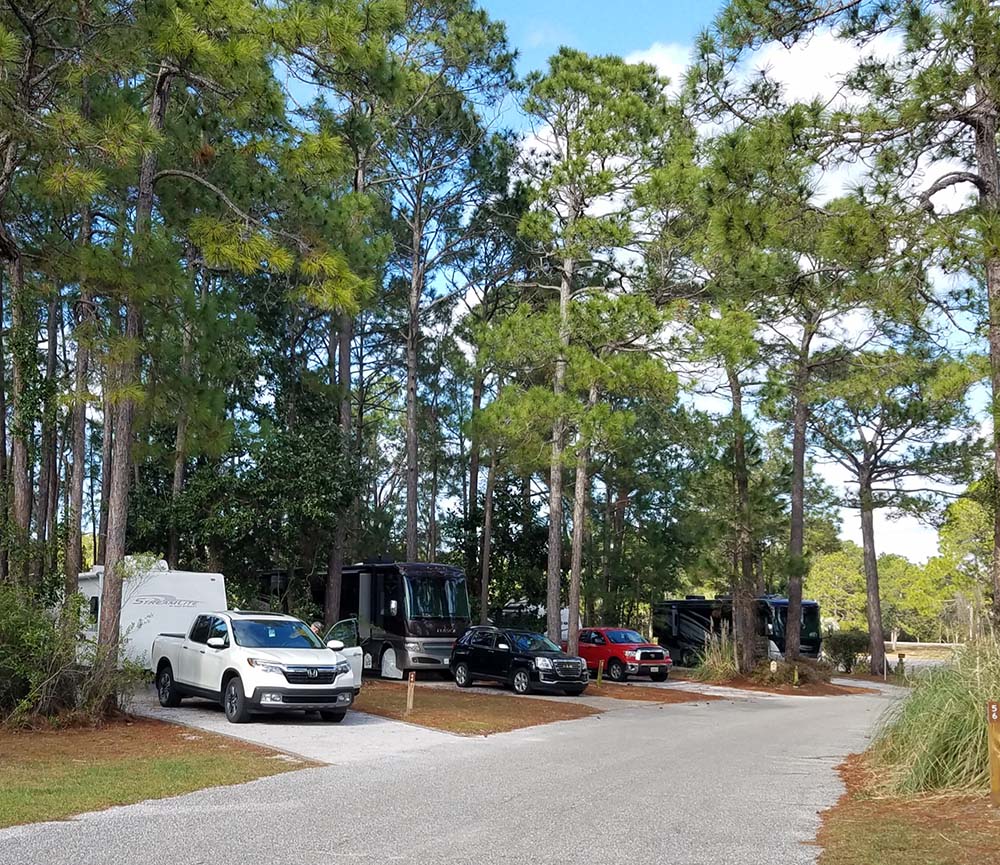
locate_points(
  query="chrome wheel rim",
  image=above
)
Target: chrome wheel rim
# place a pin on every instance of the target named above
(164, 690)
(615, 671)
(521, 682)
(461, 674)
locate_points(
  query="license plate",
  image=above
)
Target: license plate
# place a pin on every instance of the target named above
(654, 669)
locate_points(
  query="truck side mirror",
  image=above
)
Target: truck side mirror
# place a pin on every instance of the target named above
(336, 645)
(503, 647)
(216, 643)
(393, 608)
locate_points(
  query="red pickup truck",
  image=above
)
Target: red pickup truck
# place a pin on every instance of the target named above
(625, 653)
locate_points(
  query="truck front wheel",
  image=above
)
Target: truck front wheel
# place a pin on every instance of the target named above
(336, 716)
(235, 702)
(617, 671)
(166, 688)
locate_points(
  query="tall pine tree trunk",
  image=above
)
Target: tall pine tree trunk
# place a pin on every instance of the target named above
(338, 550)
(412, 339)
(3, 437)
(989, 201)
(180, 432)
(796, 539)
(873, 605)
(580, 491)
(84, 317)
(124, 374)
(484, 585)
(472, 508)
(23, 342)
(47, 444)
(744, 582)
(554, 571)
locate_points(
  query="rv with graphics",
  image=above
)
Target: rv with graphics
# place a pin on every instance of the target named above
(404, 615)
(684, 626)
(155, 600)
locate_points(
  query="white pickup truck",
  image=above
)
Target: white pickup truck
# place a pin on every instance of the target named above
(256, 662)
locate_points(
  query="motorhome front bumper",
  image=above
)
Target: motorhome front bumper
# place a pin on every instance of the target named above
(283, 699)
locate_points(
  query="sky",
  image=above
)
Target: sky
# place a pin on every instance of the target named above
(663, 32)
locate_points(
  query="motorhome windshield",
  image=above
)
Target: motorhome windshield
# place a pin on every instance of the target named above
(810, 620)
(274, 634)
(436, 597)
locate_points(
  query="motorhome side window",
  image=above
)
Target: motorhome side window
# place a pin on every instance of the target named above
(95, 609)
(199, 631)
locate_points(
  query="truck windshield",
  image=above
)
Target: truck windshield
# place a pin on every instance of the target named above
(274, 634)
(625, 637)
(435, 597)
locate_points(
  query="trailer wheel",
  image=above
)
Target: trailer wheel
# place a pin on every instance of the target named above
(689, 658)
(387, 664)
(617, 671)
(166, 689)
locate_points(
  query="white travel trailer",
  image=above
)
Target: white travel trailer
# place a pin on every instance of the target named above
(155, 600)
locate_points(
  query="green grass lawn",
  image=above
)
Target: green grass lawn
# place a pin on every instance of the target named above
(51, 775)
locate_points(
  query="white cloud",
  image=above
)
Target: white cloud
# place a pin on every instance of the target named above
(670, 59)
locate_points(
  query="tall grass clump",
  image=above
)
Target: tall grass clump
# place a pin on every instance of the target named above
(935, 739)
(718, 660)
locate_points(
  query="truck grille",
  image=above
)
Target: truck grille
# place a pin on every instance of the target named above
(652, 655)
(568, 669)
(310, 676)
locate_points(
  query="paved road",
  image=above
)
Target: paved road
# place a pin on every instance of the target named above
(687, 784)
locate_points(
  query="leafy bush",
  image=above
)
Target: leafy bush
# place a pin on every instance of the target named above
(718, 660)
(846, 649)
(935, 739)
(48, 670)
(802, 672)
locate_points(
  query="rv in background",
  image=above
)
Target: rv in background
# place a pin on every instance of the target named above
(404, 615)
(154, 601)
(684, 626)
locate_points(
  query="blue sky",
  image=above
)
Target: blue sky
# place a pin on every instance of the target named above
(538, 28)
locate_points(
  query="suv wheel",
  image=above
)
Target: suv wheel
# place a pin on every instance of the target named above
(521, 682)
(235, 702)
(617, 671)
(462, 677)
(166, 690)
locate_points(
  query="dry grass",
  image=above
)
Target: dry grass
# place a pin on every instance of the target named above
(648, 695)
(54, 774)
(939, 830)
(469, 714)
(824, 689)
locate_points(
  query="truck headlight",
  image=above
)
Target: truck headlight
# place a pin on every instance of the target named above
(630, 653)
(543, 663)
(341, 668)
(412, 647)
(265, 666)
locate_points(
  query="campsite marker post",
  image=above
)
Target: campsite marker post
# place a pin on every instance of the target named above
(409, 692)
(993, 738)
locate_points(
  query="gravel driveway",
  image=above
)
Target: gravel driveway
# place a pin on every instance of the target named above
(691, 784)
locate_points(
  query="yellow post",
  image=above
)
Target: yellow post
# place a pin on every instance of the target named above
(600, 673)
(409, 692)
(993, 738)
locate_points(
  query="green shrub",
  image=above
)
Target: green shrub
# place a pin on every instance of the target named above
(808, 673)
(718, 661)
(846, 649)
(48, 671)
(935, 739)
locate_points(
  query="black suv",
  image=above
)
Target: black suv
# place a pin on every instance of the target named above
(522, 659)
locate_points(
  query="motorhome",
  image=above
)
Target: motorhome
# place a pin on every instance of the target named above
(404, 615)
(155, 600)
(683, 626)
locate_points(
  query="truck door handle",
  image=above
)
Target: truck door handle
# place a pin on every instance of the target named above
(201, 651)
(184, 648)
